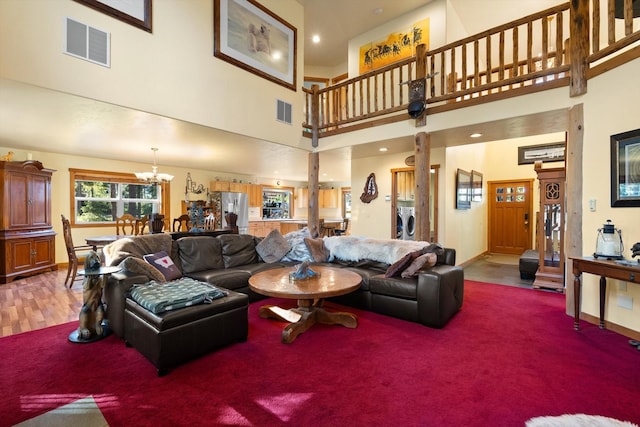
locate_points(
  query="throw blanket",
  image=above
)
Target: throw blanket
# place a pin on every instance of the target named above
(353, 248)
(127, 253)
(184, 292)
(136, 246)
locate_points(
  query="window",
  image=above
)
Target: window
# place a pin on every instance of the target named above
(98, 198)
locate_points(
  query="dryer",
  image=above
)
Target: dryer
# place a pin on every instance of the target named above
(407, 219)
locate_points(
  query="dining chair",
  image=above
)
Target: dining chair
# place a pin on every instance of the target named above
(141, 225)
(325, 229)
(72, 269)
(126, 225)
(182, 222)
(209, 223)
(343, 229)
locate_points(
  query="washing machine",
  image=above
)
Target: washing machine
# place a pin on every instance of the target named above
(408, 221)
(399, 224)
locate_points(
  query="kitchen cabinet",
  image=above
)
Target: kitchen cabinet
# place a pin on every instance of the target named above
(256, 228)
(220, 186)
(328, 198)
(302, 198)
(239, 187)
(27, 239)
(262, 228)
(255, 196)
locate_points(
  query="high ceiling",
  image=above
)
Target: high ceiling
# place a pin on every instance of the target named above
(338, 21)
(33, 118)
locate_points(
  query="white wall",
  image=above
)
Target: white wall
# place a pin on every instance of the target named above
(171, 72)
(374, 219)
(609, 108)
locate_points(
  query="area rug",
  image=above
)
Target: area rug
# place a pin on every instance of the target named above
(503, 259)
(508, 356)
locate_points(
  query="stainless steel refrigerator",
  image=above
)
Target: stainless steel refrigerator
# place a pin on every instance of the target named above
(226, 202)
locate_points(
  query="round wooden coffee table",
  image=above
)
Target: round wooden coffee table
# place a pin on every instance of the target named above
(310, 294)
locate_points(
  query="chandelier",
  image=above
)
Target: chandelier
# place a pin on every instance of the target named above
(154, 176)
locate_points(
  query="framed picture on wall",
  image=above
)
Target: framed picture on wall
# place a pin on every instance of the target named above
(625, 169)
(250, 36)
(541, 153)
(476, 186)
(463, 189)
(134, 12)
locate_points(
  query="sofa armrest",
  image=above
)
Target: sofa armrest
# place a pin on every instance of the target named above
(449, 256)
(115, 297)
(440, 293)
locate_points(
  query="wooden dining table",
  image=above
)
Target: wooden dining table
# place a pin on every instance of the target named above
(100, 241)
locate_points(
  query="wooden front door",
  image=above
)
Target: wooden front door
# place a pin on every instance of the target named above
(510, 216)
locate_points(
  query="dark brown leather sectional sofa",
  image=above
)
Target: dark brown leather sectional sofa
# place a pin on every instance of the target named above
(228, 260)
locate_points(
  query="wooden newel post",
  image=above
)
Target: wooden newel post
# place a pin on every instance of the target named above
(423, 186)
(315, 115)
(313, 214)
(579, 46)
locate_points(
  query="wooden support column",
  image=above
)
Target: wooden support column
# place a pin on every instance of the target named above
(313, 214)
(421, 73)
(579, 42)
(573, 177)
(422, 173)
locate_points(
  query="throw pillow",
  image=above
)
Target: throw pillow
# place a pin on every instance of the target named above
(299, 251)
(423, 262)
(140, 266)
(273, 247)
(318, 251)
(163, 262)
(399, 266)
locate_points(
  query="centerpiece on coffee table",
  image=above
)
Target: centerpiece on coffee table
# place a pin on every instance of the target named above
(303, 272)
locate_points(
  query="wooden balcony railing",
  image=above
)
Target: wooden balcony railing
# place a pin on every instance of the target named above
(527, 55)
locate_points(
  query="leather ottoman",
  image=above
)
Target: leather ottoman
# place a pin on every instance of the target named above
(528, 264)
(174, 337)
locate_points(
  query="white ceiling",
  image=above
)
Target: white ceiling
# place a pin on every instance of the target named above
(38, 119)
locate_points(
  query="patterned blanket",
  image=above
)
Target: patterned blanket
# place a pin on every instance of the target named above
(184, 292)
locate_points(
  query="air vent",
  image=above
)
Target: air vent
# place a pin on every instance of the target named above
(85, 42)
(283, 112)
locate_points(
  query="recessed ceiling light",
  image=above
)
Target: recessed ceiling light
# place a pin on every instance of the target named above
(377, 11)
(383, 149)
(315, 38)
(476, 135)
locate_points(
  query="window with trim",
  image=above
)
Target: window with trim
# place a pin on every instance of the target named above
(98, 197)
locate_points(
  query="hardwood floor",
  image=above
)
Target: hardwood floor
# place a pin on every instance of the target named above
(37, 302)
(42, 300)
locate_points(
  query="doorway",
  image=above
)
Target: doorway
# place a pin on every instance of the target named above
(510, 216)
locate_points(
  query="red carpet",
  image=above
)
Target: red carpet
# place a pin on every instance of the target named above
(511, 354)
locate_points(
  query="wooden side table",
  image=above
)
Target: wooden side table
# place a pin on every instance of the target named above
(93, 325)
(628, 271)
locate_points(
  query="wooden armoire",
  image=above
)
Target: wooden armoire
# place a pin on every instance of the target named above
(27, 239)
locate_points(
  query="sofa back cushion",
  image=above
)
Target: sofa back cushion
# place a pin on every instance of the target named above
(200, 253)
(238, 249)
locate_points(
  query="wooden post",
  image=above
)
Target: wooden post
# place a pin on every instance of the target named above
(422, 173)
(313, 214)
(315, 115)
(579, 40)
(421, 73)
(573, 156)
